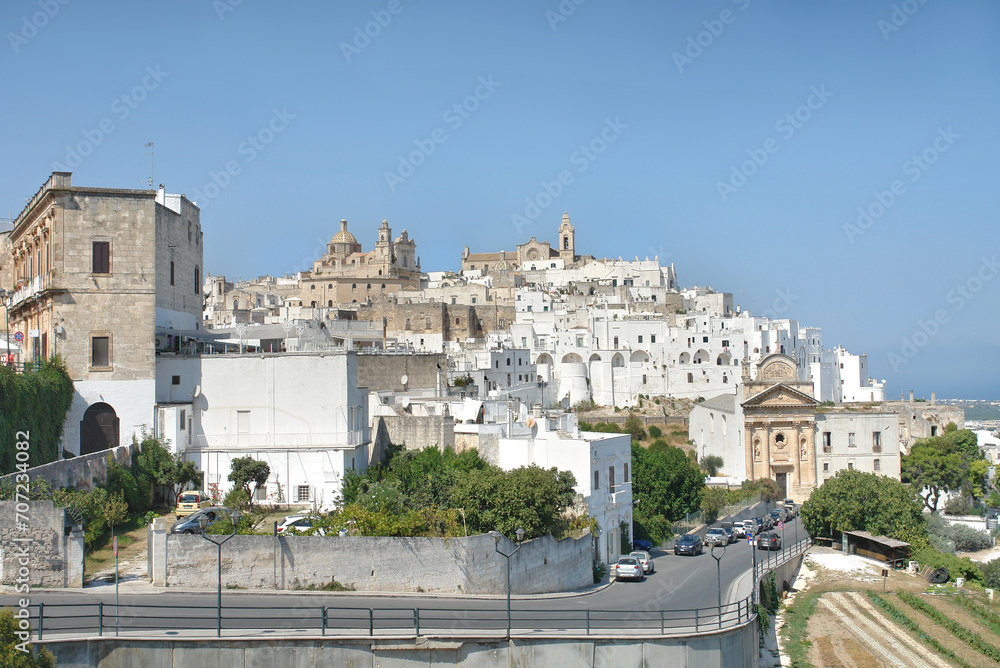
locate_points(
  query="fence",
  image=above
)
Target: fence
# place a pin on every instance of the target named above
(73, 619)
(692, 521)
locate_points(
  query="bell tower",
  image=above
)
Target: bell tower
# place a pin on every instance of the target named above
(567, 247)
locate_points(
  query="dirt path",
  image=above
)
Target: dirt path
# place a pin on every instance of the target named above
(862, 602)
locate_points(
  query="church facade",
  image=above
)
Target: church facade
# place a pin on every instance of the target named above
(532, 254)
(346, 274)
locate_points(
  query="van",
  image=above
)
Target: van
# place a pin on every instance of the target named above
(191, 501)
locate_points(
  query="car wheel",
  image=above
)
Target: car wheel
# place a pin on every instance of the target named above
(188, 531)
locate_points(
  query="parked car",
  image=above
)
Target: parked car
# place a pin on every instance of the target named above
(629, 568)
(191, 501)
(793, 510)
(769, 541)
(644, 559)
(192, 523)
(779, 515)
(765, 523)
(717, 536)
(689, 543)
(296, 522)
(740, 529)
(730, 529)
(642, 544)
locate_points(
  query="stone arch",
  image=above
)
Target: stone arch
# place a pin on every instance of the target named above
(723, 359)
(617, 361)
(701, 357)
(99, 429)
(572, 358)
(685, 358)
(544, 358)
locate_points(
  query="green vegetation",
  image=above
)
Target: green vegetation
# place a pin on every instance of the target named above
(463, 381)
(908, 623)
(991, 573)
(984, 614)
(246, 470)
(960, 537)
(957, 566)
(797, 616)
(666, 485)
(951, 462)
(424, 493)
(856, 501)
(33, 408)
(11, 654)
(711, 464)
(971, 638)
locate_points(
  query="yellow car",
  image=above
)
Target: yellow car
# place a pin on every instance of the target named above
(190, 502)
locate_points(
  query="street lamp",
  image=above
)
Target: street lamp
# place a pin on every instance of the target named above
(718, 568)
(203, 522)
(496, 544)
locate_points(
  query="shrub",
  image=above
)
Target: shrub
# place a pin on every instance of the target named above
(236, 498)
(991, 573)
(633, 426)
(957, 566)
(959, 505)
(968, 539)
(655, 432)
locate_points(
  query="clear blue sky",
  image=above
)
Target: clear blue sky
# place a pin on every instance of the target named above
(199, 80)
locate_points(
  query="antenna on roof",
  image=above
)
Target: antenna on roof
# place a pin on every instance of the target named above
(149, 145)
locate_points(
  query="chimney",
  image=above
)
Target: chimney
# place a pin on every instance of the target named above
(911, 396)
(933, 398)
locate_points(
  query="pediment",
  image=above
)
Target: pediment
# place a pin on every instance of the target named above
(780, 396)
(776, 367)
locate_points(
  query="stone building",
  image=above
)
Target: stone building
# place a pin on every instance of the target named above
(531, 253)
(96, 273)
(346, 274)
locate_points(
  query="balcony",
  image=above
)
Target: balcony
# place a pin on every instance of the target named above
(291, 441)
(28, 290)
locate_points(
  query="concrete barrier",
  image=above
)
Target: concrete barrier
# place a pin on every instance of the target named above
(729, 649)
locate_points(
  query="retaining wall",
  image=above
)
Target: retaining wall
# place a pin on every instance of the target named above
(729, 649)
(81, 472)
(442, 565)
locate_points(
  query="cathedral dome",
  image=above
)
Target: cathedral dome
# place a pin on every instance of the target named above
(343, 236)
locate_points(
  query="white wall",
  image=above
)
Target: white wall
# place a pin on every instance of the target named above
(131, 399)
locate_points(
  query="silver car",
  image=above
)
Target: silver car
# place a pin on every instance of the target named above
(644, 559)
(717, 536)
(629, 568)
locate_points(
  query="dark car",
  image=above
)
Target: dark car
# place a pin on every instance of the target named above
(769, 541)
(689, 543)
(642, 544)
(730, 529)
(764, 523)
(192, 523)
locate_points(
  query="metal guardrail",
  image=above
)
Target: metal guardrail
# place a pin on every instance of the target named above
(775, 559)
(107, 619)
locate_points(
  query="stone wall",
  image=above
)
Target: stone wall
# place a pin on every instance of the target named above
(81, 472)
(417, 432)
(384, 371)
(468, 565)
(51, 557)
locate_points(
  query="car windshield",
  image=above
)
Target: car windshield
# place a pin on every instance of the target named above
(686, 539)
(188, 497)
(716, 531)
(627, 561)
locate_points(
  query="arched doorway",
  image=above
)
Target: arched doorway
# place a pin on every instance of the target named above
(98, 429)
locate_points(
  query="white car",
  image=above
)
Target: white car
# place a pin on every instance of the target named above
(740, 529)
(298, 523)
(644, 559)
(629, 568)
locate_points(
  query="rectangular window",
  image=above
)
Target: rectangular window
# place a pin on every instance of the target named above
(627, 479)
(877, 465)
(704, 339)
(102, 257)
(826, 466)
(640, 338)
(611, 479)
(427, 323)
(100, 352)
(197, 280)
(876, 441)
(524, 341)
(616, 342)
(302, 493)
(175, 380)
(579, 342)
(597, 479)
(850, 466)
(171, 272)
(183, 419)
(827, 442)
(652, 338)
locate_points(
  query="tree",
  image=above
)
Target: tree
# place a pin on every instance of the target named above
(246, 470)
(665, 482)
(714, 500)
(857, 501)
(114, 510)
(946, 463)
(633, 426)
(711, 464)
(181, 474)
(11, 640)
(766, 488)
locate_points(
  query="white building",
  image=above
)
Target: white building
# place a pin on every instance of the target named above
(303, 414)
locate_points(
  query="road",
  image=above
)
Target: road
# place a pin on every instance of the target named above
(665, 600)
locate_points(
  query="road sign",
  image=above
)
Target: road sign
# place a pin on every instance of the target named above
(19, 336)
(750, 538)
(115, 547)
(781, 525)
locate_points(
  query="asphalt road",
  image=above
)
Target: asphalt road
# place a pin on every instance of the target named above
(665, 600)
